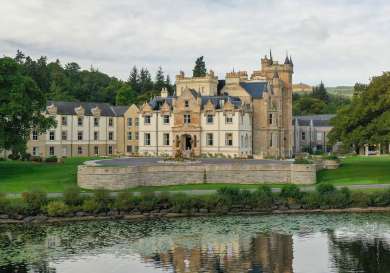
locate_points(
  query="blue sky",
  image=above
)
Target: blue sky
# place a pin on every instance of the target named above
(339, 42)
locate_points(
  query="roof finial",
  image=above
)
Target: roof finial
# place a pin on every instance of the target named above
(291, 62)
(270, 55)
(286, 61)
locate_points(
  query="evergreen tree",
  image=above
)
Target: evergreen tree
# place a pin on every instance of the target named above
(168, 85)
(134, 80)
(200, 68)
(146, 83)
(160, 80)
(19, 58)
(320, 92)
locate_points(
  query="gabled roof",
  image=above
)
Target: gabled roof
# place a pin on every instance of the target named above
(255, 89)
(120, 110)
(68, 108)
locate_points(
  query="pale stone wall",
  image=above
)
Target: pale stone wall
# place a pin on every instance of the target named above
(118, 178)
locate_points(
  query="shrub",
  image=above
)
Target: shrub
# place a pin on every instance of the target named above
(262, 197)
(181, 202)
(325, 188)
(147, 201)
(72, 196)
(291, 191)
(302, 161)
(311, 200)
(331, 157)
(57, 208)
(124, 201)
(34, 201)
(90, 205)
(36, 158)
(4, 203)
(381, 198)
(25, 156)
(14, 156)
(360, 199)
(51, 159)
(103, 200)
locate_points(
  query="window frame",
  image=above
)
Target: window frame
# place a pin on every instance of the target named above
(147, 139)
(210, 139)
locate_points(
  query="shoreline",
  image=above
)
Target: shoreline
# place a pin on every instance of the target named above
(147, 216)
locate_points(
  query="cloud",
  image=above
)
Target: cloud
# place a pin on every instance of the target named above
(339, 42)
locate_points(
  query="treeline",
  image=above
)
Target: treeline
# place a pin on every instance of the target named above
(226, 200)
(318, 102)
(71, 83)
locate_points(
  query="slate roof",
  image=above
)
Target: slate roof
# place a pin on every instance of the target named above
(68, 108)
(318, 120)
(255, 89)
(120, 110)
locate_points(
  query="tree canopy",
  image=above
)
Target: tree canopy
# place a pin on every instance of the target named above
(21, 106)
(367, 119)
(200, 68)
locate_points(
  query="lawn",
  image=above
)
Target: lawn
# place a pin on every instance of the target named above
(359, 170)
(20, 176)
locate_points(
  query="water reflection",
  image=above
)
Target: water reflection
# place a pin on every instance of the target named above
(277, 244)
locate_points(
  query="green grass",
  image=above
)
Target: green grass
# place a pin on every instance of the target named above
(20, 176)
(359, 170)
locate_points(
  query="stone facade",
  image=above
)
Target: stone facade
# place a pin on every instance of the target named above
(123, 177)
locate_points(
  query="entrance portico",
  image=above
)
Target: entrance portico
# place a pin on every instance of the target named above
(187, 144)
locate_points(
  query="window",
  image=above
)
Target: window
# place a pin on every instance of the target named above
(51, 150)
(303, 136)
(319, 136)
(110, 135)
(80, 150)
(136, 135)
(137, 122)
(210, 139)
(80, 121)
(64, 121)
(110, 150)
(210, 119)
(186, 103)
(35, 151)
(64, 135)
(96, 150)
(34, 135)
(166, 119)
(229, 139)
(52, 135)
(270, 119)
(95, 135)
(166, 139)
(147, 139)
(228, 119)
(129, 135)
(136, 149)
(129, 149)
(129, 122)
(271, 142)
(187, 118)
(96, 122)
(110, 122)
(80, 135)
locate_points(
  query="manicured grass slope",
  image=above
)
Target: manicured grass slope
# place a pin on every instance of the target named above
(18, 176)
(359, 170)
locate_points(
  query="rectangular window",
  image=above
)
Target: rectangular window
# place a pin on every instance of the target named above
(137, 122)
(80, 135)
(166, 119)
(129, 135)
(80, 150)
(228, 119)
(186, 103)
(210, 119)
(166, 139)
(210, 139)
(136, 135)
(129, 122)
(271, 140)
(52, 135)
(34, 135)
(303, 136)
(110, 150)
(147, 120)
(187, 119)
(270, 119)
(110, 122)
(95, 135)
(129, 149)
(110, 135)
(35, 151)
(96, 122)
(147, 139)
(64, 135)
(96, 150)
(229, 139)
(64, 121)
(319, 136)
(51, 150)
(80, 121)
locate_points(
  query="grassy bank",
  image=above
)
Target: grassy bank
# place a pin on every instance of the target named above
(358, 170)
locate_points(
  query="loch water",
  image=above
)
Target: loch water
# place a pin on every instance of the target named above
(300, 243)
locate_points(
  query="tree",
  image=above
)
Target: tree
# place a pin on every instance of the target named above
(134, 80)
(200, 68)
(168, 85)
(146, 83)
(21, 106)
(125, 95)
(320, 92)
(20, 57)
(160, 80)
(307, 105)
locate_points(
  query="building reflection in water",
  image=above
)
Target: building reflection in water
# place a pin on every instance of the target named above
(263, 253)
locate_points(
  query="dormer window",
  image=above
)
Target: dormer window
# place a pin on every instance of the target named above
(147, 120)
(187, 119)
(166, 119)
(80, 121)
(186, 103)
(210, 119)
(229, 119)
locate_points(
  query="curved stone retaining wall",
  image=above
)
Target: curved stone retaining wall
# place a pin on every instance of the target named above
(123, 177)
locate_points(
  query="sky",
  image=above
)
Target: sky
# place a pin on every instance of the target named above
(340, 42)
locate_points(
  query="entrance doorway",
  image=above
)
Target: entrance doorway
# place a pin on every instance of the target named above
(187, 142)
